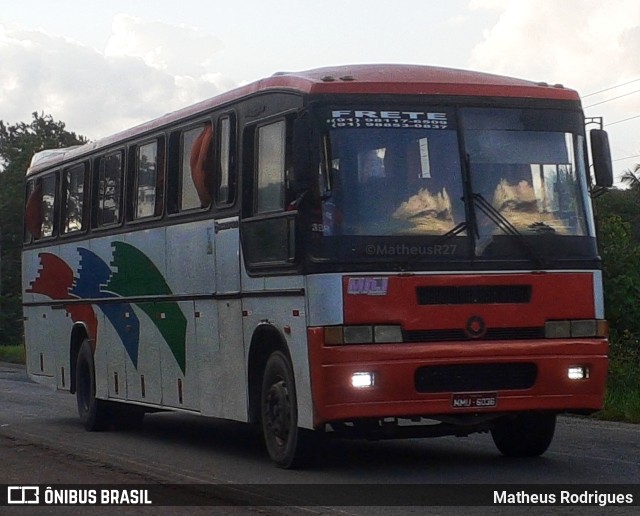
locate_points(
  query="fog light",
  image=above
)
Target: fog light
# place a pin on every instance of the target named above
(578, 373)
(362, 380)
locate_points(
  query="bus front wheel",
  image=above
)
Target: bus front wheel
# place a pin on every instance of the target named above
(279, 413)
(524, 435)
(94, 413)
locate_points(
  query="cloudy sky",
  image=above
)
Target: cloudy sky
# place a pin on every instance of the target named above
(101, 66)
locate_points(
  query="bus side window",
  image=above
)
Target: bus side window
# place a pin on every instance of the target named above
(40, 207)
(271, 145)
(74, 198)
(269, 230)
(149, 180)
(109, 189)
(33, 211)
(225, 187)
(196, 168)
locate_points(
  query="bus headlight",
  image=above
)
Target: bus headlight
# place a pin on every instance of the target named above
(578, 373)
(362, 380)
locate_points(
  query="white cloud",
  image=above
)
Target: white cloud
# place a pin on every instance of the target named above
(146, 70)
(488, 4)
(586, 43)
(179, 50)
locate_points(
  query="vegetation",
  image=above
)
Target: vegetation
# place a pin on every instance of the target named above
(18, 143)
(12, 354)
(618, 227)
(619, 233)
(622, 401)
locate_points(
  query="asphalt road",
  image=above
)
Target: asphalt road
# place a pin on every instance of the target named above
(42, 441)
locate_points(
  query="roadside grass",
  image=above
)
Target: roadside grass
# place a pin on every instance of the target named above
(622, 399)
(13, 354)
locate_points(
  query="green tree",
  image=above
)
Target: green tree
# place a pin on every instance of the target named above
(630, 177)
(620, 257)
(18, 143)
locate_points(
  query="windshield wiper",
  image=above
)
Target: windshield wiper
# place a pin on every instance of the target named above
(506, 227)
(451, 233)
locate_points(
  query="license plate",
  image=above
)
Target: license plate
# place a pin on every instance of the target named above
(474, 400)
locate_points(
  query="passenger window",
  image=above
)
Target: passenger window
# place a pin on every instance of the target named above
(271, 167)
(196, 168)
(149, 180)
(33, 211)
(109, 189)
(40, 207)
(74, 198)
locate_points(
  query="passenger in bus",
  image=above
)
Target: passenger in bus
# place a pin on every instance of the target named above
(380, 184)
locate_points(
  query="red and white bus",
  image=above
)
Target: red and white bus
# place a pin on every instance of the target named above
(380, 251)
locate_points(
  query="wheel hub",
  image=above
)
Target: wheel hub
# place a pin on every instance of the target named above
(278, 416)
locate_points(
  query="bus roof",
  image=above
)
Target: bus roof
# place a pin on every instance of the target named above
(348, 79)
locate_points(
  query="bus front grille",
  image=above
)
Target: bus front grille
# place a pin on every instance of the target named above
(474, 294)
(449, 335)
(475, 377)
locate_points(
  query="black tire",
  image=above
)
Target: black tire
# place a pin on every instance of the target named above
(94, 413)
(524, 435)
(286, 443)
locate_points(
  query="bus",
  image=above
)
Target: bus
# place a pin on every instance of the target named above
(377, 251)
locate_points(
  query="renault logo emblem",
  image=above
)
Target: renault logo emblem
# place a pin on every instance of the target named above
(476, 327)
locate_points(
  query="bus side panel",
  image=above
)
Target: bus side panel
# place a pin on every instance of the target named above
(142, 260)
(190, 271)
(30, 267)
(101, 356)
(294, 317)
(94, 273)
(229, 370)
(206, 356)
(287, 315)
(47, 280)
(39, 353)
(110, 359)
(223, 380)
(179, 370)
(81, 314)
(190, 252)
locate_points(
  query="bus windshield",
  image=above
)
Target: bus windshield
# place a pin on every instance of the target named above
(489, 177)
(387, 181)
(523, 178)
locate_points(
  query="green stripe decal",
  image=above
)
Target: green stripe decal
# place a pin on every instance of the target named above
(136, 275)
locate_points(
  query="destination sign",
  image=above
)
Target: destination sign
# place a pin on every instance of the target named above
(358, 118)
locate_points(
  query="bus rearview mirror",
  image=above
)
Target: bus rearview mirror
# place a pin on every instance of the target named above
(601, 156)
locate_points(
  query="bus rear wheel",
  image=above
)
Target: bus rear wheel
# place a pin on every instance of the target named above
(94, 413)
(524, 435)
(279, 413)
